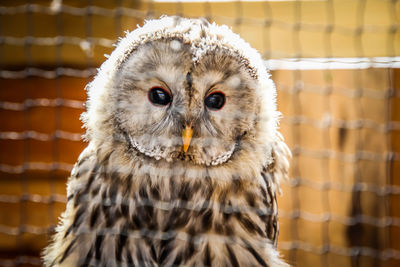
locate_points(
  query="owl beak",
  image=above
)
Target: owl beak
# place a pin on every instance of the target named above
(187, 134)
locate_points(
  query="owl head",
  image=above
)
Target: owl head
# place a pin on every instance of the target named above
(183, 90)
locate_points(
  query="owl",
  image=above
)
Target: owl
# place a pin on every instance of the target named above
(184, 155)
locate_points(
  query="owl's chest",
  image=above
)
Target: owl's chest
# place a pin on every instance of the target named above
(150, 216)
(174, 204)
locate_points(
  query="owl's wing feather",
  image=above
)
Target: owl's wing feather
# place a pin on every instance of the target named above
(273, 173)
(279, 166)
(67, 243)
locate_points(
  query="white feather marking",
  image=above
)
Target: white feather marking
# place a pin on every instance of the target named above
(176, 45)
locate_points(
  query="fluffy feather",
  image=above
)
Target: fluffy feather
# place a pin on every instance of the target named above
(135, 198)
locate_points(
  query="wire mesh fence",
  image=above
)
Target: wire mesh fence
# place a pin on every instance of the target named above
(336, 67)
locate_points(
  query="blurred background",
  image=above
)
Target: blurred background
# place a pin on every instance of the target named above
(336, 65)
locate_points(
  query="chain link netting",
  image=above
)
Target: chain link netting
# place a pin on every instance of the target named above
(336, 67)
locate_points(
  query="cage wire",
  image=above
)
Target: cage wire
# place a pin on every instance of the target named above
(338, 89)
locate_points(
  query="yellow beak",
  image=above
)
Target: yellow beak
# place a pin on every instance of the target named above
(187, 134)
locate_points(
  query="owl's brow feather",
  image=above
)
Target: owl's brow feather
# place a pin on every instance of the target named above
(189, 87)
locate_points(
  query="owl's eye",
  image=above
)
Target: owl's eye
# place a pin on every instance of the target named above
(215, 100)
(159, 96)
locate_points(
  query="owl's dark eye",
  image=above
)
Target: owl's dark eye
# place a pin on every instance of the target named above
(159, 96)
(215, 100)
